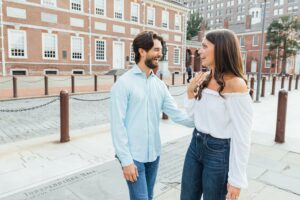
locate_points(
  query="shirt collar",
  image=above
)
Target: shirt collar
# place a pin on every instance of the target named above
(137, 70)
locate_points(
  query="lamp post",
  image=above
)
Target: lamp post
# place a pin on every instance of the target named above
(261, 54)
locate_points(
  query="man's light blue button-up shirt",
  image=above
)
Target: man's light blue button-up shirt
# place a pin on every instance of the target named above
(136, 105)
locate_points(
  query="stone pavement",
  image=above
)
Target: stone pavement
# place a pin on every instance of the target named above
(84, 168)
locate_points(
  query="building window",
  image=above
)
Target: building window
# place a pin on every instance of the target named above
(176, 56)
(255, 40)
(292, 1)
(19, 72)
(49, 2)
(293, 9)
(100, 50)
(278, 11)
(132, 54)
(177, 22)
(50, 71)
(100, 6)
(78, 71)
(278, 2)
(230, 3)
(242, 41)
(151, 16)
(77, 48)
(135, 12)
(49, 46)
(17, 44)
(118, 9)
(76, 5)
(165, 19)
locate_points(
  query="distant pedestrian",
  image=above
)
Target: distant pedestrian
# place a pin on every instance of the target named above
(137, 100)
(220, 104)
(189, 72)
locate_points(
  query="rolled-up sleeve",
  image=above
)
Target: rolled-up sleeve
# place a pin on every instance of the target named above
(119, 100)
(241, 115)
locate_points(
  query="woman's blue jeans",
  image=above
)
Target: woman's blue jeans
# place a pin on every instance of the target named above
(205, 170)
(142, 189)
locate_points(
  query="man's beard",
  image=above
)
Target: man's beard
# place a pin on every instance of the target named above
(149, 63)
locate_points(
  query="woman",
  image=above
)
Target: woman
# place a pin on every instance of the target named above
(221, 107)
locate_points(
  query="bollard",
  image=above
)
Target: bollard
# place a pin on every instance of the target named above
(281, 116)
(164, 115)
(252, 87)
(194, 74)
(73, 83)
(173, 78)
(183, 79)
(282, 82)
(273, 85)
(95, 83)
(290, 82)
(161, 76)
(296, 84)
(15, 87)
(46, 85)
(115, 78)
(64, 116)
(263, 85)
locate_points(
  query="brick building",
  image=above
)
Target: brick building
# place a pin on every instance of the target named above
(85, 36)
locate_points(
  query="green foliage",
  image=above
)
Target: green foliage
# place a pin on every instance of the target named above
(282, 35)
(193, 25)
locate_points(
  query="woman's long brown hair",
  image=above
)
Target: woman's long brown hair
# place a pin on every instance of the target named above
(228, 59)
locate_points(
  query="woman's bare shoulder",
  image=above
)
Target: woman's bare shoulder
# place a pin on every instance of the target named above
(236, 84)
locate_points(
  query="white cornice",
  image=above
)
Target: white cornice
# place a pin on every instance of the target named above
(169, 4)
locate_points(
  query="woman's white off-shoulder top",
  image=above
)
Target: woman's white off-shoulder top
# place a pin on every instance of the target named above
(229, 117)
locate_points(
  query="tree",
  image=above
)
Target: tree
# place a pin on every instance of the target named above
(193, 25)
(282, 34)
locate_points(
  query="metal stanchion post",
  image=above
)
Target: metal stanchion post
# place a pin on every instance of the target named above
(281, 116)
(64, 116)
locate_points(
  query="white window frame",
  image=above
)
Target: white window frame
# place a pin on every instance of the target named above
(138, 12)
(116, 11)
(177, 27)
(44, 72)
(174, 56)
(82, 43)
(75, 10)
(19, 69)
(104, 8)
(10, 31)
(242, 38)
(104, 59)
(46, 3)
(153, 10)
(163, 15)
(132, 54)
(43, 46)
(81, 70)
(253, 39)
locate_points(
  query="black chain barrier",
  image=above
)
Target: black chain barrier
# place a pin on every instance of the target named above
(79, 99)
(31, 108)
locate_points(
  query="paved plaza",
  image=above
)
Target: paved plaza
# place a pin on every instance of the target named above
(35, 166)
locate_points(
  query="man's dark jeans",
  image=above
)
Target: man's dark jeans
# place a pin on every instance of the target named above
(205, 170)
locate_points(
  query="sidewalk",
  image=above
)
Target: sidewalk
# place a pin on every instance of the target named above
(85, 169)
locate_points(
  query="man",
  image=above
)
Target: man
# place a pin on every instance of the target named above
(137, 100)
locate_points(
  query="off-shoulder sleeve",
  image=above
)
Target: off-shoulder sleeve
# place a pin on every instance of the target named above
(241, 115)
(189, 106)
